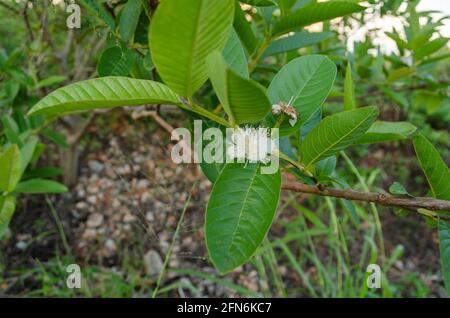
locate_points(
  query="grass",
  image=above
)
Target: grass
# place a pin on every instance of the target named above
(318, 247)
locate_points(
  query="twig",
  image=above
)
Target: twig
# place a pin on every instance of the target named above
(379, 198)
(27, 22)
(10, 8)
(167, 127)
(74, 139)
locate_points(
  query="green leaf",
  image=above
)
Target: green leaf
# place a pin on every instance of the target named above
(211, 170)
(434, 168)
(129, 20)
(398, 189)
(116, 62)
(349, 90)
(239, 214)
(35, 186)
(444, 248)
(260, 3)
(7, 208)
(26, 153)
(44, 172)
(286, 6)
(400, 73)
(10, 168)
(438, 176)
(296, 41)
(244, 29)
(50, 81)
(105, 92)
(11, 130)
(313, 13)
(383, 131)
(97, 9)
(182, 34)
(244, 100)
(430, 48)
(335, 133)
(55, 137)
(234, 55)
(306, 82)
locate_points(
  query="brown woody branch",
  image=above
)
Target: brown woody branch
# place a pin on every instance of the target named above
(379, 198)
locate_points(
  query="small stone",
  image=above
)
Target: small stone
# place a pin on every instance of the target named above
(95, 220)
(129, 218)
(149, 216)
(153, 263)
(21, 245)
(92, 199)
(110, 247)
(81, 205)
(95, 166)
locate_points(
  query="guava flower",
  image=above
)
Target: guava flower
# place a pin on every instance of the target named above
(250, 144)
(286, 109)
(276, 109)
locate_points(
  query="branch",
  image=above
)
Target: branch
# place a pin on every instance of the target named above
(379, 198)
(9, 7)
(27, 22)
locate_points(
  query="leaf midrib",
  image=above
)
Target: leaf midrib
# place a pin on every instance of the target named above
(339, 140)
(242, 209)
(191, 53)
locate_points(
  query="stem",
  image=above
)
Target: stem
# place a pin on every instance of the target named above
(205, 113)
(294, 163)
(259, 53)
(59, 226)
(429, 204)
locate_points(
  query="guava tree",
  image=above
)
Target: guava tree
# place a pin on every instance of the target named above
(247, 54)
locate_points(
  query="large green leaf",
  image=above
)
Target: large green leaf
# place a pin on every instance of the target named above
(182, 34)
(335, 133)
(243, 100)
(35, 186)
(10, 168)
(234, 55)
(438, 176)
(383, 131)
(239, 214)
(296, 41)
(434, 168)
(116, 62)
(244, 29)
(306, 82)
(129, 19)
(105, 92)
(315, 12)
(7, 208)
